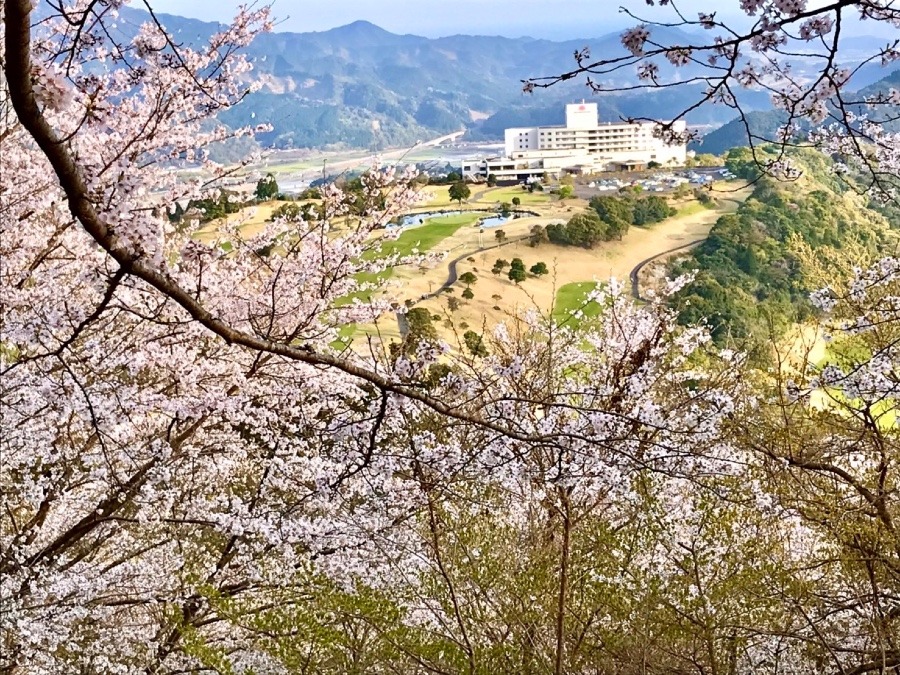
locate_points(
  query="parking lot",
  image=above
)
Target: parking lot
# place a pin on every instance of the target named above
(650, 181)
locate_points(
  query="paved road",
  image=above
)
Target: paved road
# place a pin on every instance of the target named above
(387, 155)
(634, 275)
(452, 272)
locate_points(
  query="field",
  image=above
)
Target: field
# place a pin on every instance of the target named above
(484, 197)
(572, 270)
(573, 298)
(691, 208)
(250, 221)
(506, 194)
(428, 235)
(438, 196)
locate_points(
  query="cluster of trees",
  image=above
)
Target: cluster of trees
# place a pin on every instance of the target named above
(196, 479)
(475, 343)
(620, 212)
(608, 219)
(517, 271)
(266, 188)
(584, 229)
(440, 178)
(293, 211)
(208, 208)
(750, 273)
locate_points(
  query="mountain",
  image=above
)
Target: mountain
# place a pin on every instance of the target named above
(761, 123)
(764, 124)
(362, 86)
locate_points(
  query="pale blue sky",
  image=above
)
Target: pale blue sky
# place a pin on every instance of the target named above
(431, 18)
(550, 19)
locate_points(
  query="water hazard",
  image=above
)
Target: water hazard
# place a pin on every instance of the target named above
(489, 220)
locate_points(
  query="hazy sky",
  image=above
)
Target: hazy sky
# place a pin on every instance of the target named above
(513, 18)
(432, 18)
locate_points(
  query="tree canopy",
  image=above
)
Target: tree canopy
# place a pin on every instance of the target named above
(459, 191)
(201, 475)
(266, 188)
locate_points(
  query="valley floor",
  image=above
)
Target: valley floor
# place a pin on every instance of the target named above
(497, 297)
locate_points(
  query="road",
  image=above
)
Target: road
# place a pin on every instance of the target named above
(634, 275)
(452, 271)
(386, 156)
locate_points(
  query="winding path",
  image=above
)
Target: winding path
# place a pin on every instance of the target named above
(453, 273)
(634, 275)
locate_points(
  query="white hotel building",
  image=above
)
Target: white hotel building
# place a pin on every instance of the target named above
(583, 145)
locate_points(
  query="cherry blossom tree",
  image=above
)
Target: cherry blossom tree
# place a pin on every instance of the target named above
(831, 439)
(198, 476)
(186, 446)
(762, 53)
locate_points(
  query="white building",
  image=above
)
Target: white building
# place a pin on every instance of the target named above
(582, 145)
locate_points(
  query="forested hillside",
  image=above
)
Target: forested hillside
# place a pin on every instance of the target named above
(749, 277)
(738, 132)
(361, 86)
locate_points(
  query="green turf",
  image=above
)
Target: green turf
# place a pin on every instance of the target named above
(690, 209)
(287, 166)
(573, 297)
(290, 167)
(848, 353)
(506, 194)
(425, 236)
(422, 238)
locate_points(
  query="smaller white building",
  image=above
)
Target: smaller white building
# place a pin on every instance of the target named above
(583, 145)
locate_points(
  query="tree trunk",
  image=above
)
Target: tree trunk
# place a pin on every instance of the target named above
(563, 582)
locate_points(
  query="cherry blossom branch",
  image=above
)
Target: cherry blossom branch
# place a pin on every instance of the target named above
(17, 68)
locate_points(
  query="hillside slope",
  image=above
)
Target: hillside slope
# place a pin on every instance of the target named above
(750, 277)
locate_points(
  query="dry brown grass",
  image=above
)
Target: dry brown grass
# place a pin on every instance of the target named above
(567, 265)
(495, 296)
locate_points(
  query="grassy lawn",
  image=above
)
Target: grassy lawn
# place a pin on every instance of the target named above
(424, 154)
(439, 196)
(314, 162)
(690, 209)
(506, 194)
(252, 224)
(290, 167)
(885, 412)
(847, 354)
(573, 297)
(426, 236)
(421, 238)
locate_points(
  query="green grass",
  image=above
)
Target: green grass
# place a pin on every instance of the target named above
(847, 353)
(290, 167)
(506, 194)
(424, 154)
(426, 236)
(573, 297)
(690, 209)
(441, 197)
(422, 238)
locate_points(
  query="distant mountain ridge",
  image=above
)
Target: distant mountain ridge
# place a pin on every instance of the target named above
(764, 124)
(359, 85)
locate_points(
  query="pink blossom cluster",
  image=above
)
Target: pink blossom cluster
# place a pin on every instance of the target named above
(816, 27)
(679, 56)
(634, 39)
(189, 451)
